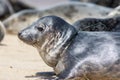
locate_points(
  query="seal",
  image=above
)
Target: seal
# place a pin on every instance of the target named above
(74, 54)
(2, 31)
(97, 24)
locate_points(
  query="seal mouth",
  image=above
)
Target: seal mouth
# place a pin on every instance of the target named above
(30, 43)
(27, 39)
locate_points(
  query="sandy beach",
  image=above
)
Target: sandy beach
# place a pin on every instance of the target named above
(19, 61)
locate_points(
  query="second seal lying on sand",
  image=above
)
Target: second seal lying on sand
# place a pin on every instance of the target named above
(74, 54)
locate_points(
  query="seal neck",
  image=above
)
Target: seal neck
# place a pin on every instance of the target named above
(63, 41)
(56, 45)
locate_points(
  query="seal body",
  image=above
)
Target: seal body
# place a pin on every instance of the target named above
(93, 53)
(97, 24)
(71, 53)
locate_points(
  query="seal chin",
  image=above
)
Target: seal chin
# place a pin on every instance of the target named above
(30, 43)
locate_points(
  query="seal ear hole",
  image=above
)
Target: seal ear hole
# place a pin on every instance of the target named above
(40, 29)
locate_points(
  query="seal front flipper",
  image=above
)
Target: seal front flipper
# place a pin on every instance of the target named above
(64, 74)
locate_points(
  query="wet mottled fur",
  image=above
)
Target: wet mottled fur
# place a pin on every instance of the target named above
(97, 24)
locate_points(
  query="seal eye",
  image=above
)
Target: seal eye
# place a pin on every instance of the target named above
(40, 28)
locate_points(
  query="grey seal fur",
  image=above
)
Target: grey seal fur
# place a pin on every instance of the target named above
(74, 54)
(5, 8)
(2, 31)
(98, 24)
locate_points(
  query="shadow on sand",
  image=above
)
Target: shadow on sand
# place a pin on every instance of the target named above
(43, 76)
(2, 44)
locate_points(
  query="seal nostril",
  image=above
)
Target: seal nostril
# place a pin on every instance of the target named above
(19, 34)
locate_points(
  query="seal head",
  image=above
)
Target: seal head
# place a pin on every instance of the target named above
(50, 35)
